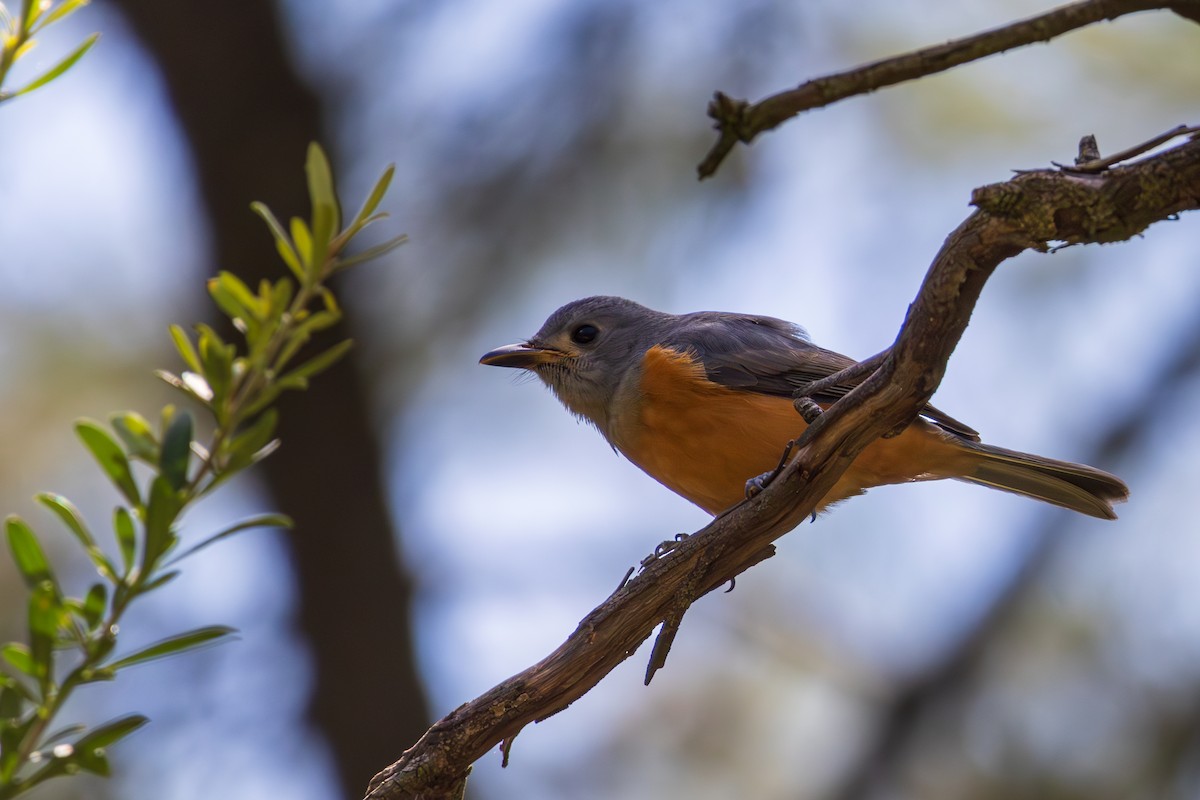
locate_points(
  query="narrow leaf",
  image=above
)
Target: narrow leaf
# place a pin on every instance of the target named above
(110, 457)
(287, 251)
(62, 10)
(60, 67)
(304, 244)
(173, 645)
(126, 535)
(371, 253)
(69, 514)
(27, 553)
(325, 215)
(176, 450)
(111, 732)
(161, 511)
(376, 196)
(95, 604)
(317, 364)
(263, 521)
(184, 345)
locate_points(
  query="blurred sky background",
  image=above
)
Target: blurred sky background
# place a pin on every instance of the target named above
(545, 151)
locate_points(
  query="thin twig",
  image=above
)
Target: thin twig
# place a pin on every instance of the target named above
(741, 121)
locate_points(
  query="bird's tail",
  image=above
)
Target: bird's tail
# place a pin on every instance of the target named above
(1075, 486)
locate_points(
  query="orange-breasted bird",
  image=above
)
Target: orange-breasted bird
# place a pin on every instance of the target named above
(702, 402)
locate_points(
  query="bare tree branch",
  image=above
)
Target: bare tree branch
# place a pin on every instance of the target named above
(1031, 211)
(741, 121)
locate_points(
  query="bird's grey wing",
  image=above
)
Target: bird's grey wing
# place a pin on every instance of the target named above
(771, 356)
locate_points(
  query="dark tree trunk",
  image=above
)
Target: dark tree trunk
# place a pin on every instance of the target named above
(248, 119)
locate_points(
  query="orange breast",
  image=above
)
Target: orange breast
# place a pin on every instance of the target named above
(703, 440)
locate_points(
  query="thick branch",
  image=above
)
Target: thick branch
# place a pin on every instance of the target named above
(740, 121)
(1032, 210)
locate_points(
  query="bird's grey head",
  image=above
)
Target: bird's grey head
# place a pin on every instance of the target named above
(585, 349)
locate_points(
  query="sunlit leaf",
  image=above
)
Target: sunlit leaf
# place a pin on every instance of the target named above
(325, 213)
(61, 10)
(183, 344)
(263, 521)
(70, 516)
(27, 552)
(371, 253)
(304, 245)
(110, 457)
(18, 656)
(172, 645)
(298, 378)
(136, 434)
(60, 67)
(287, 251)
(376, 197)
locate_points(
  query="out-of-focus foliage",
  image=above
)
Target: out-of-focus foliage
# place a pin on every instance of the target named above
(71, 641)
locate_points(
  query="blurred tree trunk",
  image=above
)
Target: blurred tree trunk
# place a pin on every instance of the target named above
(248, 119)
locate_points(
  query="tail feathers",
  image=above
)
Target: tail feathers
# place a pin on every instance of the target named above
(1075, 486)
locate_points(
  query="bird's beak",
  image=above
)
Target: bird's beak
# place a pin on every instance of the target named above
(521, 356)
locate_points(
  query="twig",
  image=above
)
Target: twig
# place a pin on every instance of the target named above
(741, 121)
(1026, 212)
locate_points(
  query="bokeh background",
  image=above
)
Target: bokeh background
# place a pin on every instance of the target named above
(926, 641)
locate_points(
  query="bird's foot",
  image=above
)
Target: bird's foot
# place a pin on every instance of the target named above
(755, 485)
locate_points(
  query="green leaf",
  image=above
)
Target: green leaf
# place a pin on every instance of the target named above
(70, 516)
(287, 251)
(126, 536)
(60, 67)
(176, 450)
(217, 360)
(45, 612)
(61, 10)
(95, 604)
(376, 196)
(18, 656)
(160, 581)
(27, 553)
(325, 216)
(262, 521)
(243, 447)
(235, 299)
(304, 244)
(184, 345)
(136, 434)
(161, 512)
(110, 457)
(174, 644)
(371, 253)
(111, 732)
(298, 378)
(11, 699)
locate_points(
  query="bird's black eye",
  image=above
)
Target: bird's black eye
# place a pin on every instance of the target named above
(584, 334)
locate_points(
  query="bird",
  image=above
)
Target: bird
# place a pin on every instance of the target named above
(703, 402)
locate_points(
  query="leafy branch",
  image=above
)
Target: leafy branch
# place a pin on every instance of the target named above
(72, 640)
(16, 39)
